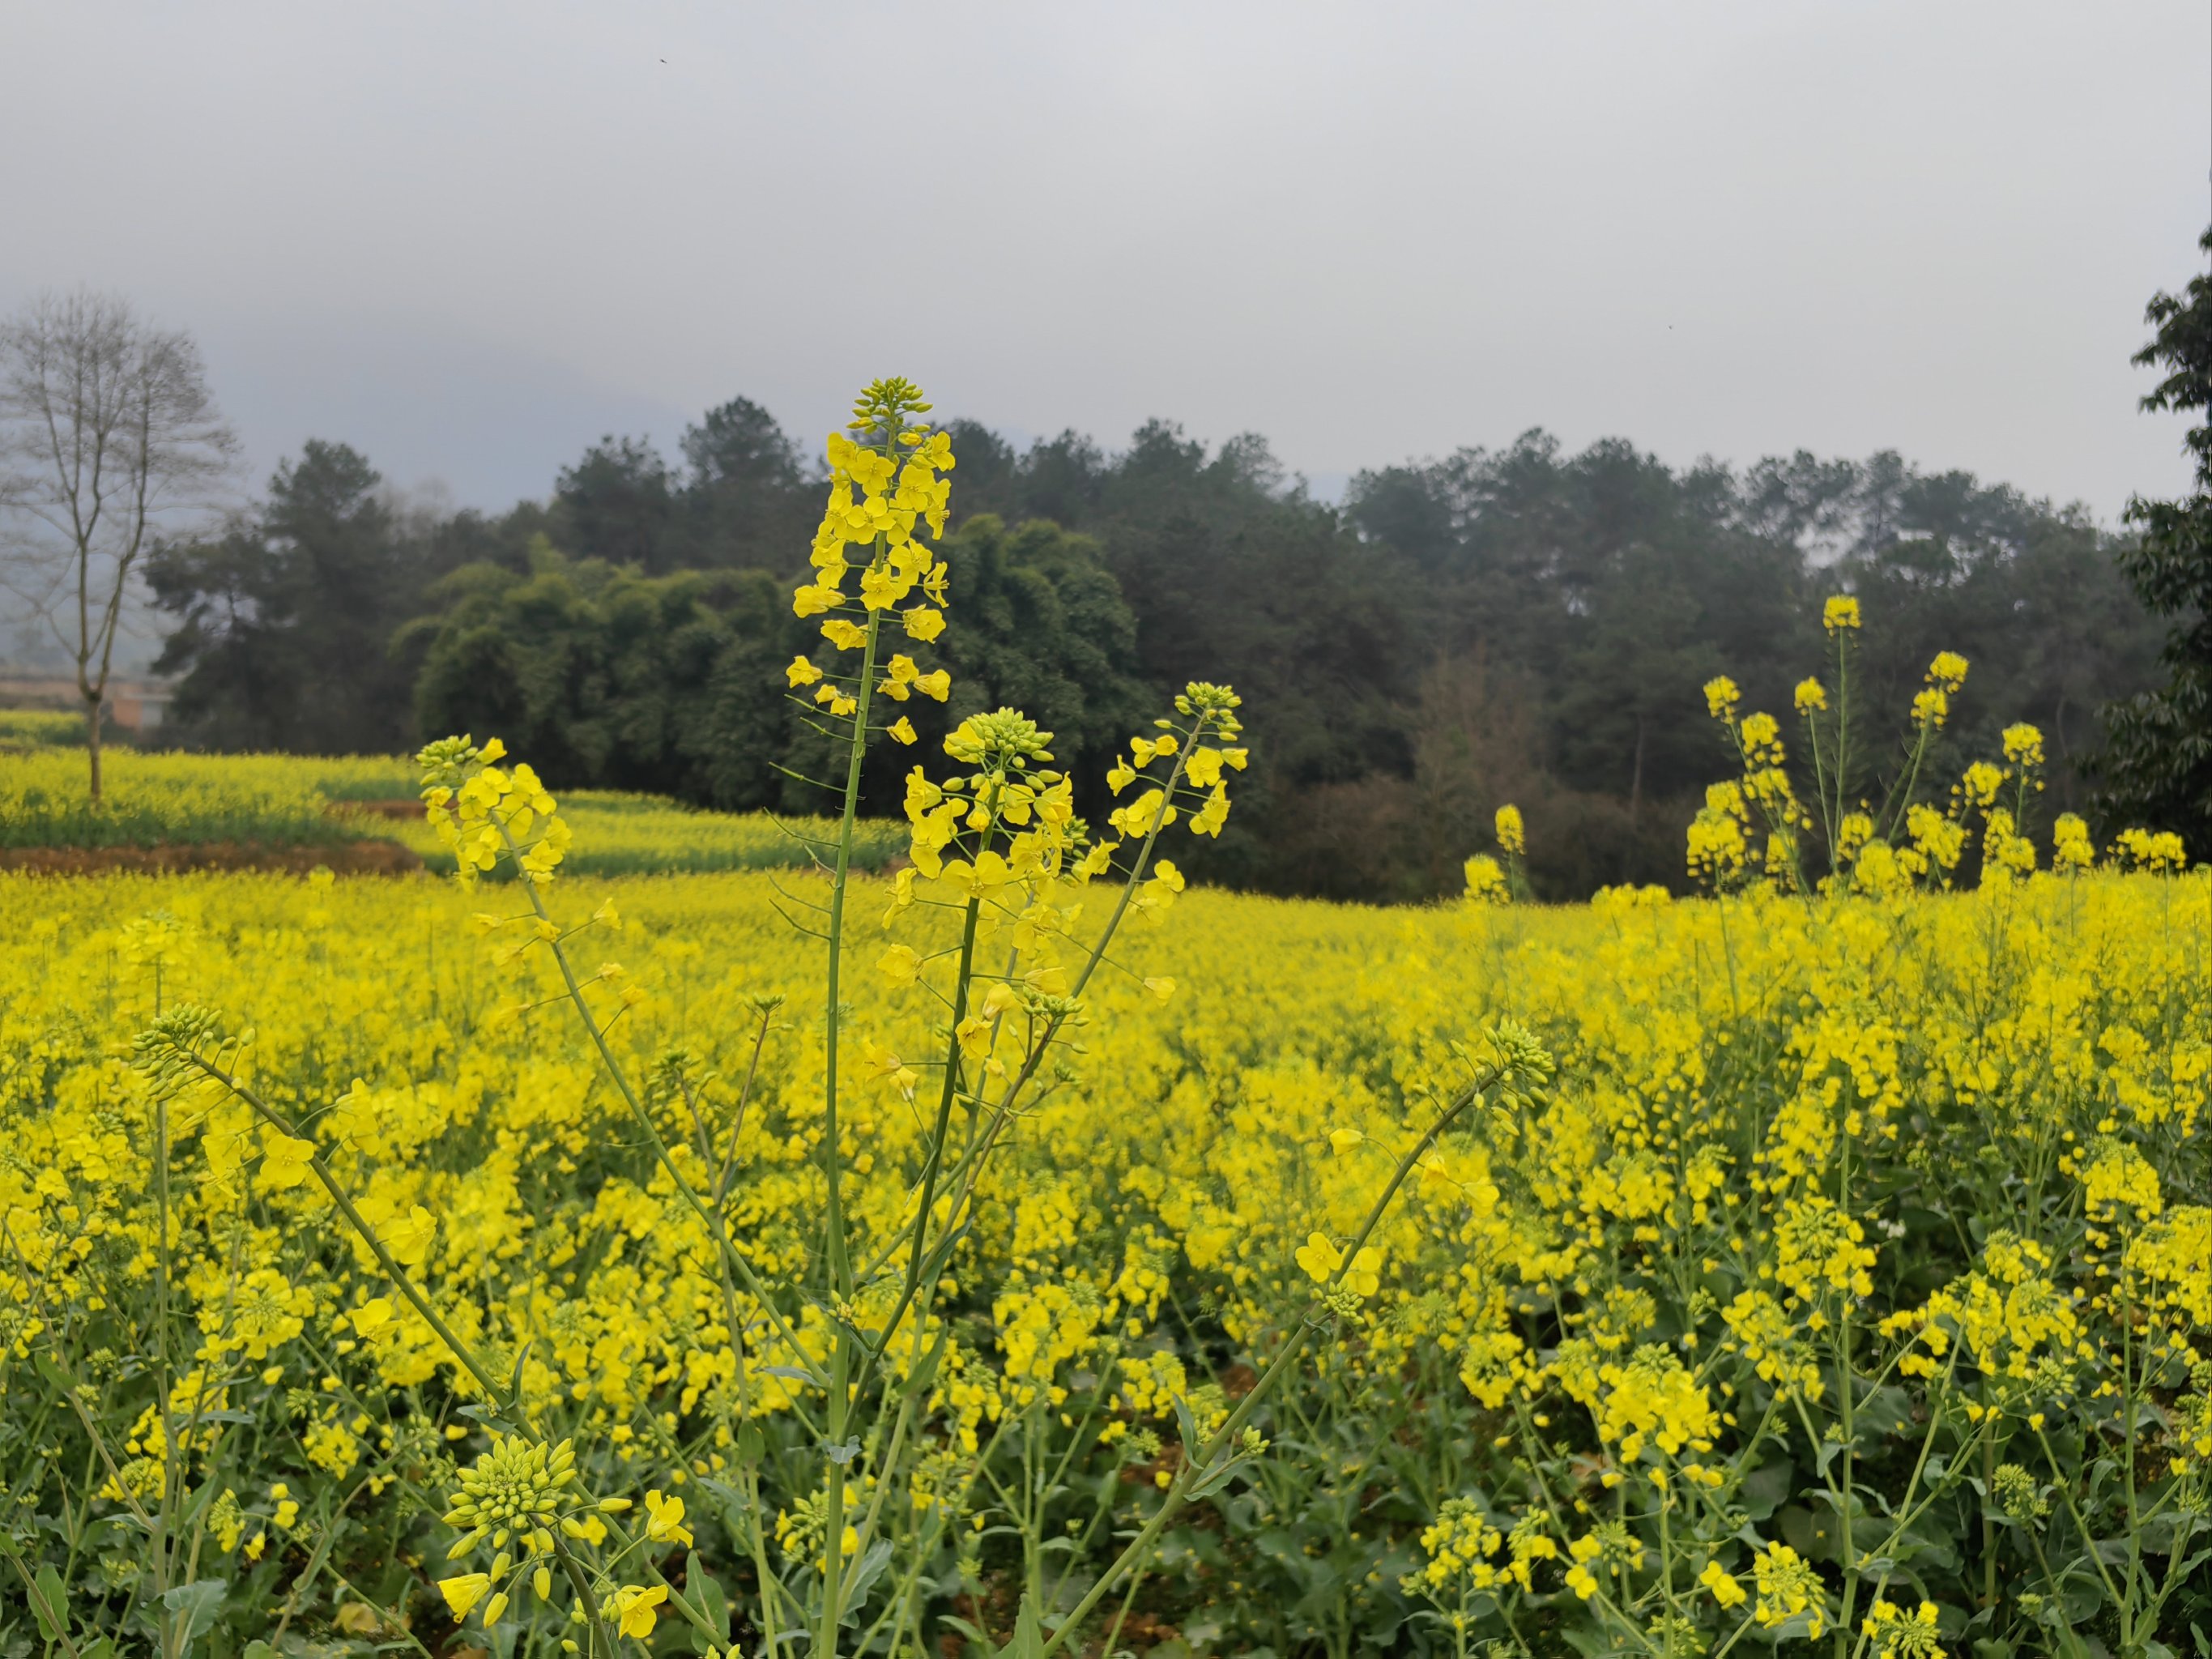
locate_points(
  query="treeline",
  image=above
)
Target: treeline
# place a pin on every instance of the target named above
(1521, 624)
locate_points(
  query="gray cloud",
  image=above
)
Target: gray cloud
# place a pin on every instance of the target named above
(469, 239)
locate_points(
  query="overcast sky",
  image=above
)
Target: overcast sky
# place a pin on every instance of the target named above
(470, 238)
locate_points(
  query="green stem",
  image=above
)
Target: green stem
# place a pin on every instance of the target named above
(1907, 1512)
(56, 1618)
(1820, 789)
(2061, 1478)
(1847, 1387)
(841, 1266)
(574, 988)
(1533, 1446)
(601, 1641)
(2127, 1453)
(171, 1474)
(934, 1155)
(1114, 1633)
(833, 1163)
(971, 1163)
(393, 1271)
(1140, 1547)
(1988, 1518)
(1843, 718)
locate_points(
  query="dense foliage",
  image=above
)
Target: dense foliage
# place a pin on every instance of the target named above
(1520, 624)
(2159, 765)
(673, 684)
(284, 622)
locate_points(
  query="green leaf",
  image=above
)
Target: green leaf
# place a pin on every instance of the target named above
(703, 1589)
(1215, 1478)
(521, 1358)
(925, 1374)
(1765, 1489)
(489, 1416)
(50, 1604)
(1928, 1549)
(863, 1574)
(1187, 1425)
(982, 1643)
(196, 1606)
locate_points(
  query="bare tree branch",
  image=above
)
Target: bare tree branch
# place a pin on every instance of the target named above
(108, 432)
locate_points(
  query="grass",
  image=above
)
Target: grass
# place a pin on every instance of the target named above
(170, 799)
(622, 834)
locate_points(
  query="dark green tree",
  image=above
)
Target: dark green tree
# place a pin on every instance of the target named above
(1612, 585)
(607, 678)
(1523, 623)
(618, 504)
(1042, 626)
(990, 475)
(284, 622)
(749, 501)
(2156, 770)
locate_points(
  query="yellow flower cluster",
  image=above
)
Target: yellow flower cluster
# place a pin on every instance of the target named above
(880, 496)
(1789, 1590)
(485, 813)
(1897, 1634)
(1461, 1545)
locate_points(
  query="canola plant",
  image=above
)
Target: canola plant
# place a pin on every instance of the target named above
(1022, 1255)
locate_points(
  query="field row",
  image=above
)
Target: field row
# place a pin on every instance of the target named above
(230, 808)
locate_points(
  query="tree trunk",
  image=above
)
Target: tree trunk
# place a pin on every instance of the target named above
(92, 743)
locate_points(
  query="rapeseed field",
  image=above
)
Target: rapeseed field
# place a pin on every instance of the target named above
(1948, 1148)
(24, 729)
(159, 798)
(1023, 1253)
(153, 799)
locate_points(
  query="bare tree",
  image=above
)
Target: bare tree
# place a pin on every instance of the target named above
(107, 432)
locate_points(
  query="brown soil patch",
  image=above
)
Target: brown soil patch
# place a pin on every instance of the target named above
(350, 857)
